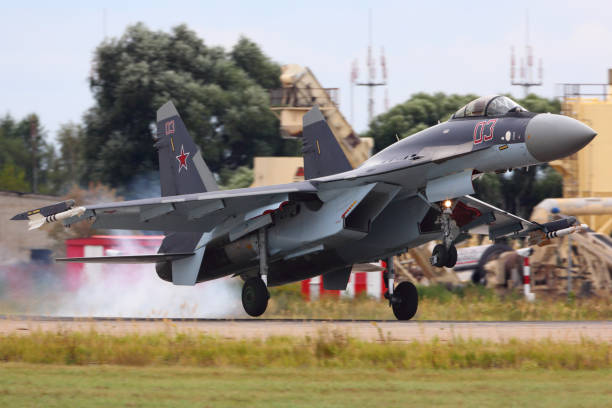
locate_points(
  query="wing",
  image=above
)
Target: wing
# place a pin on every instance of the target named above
(192, 212)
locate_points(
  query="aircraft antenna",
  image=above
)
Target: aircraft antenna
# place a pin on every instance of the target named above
(527, 79)
(383, 64)
(354, 76)
(371, 82)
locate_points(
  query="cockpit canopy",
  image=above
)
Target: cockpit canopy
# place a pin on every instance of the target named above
(495, 105)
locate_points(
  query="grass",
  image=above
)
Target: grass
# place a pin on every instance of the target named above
(327, 349)
(438, 303)
(175, 386)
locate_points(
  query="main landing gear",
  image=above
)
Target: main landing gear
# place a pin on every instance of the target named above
(445, 254)
(255, 293)
(255, 296)
(403, 298)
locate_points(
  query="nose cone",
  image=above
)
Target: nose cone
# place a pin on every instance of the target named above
(550, 137)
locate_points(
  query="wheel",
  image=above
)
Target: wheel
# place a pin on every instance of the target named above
(451, 261)
(255, 297)
(439, 255)
(405, 301)
(479, 276)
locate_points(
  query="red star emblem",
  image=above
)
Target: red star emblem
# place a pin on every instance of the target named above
(182, 159)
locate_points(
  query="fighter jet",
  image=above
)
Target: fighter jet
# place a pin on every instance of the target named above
(414, 191)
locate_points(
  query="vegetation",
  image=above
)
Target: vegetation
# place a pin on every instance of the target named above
(438, 303)
(221, 97)
(23, 147)
(175, 386)
(327, 349)
(242, 177)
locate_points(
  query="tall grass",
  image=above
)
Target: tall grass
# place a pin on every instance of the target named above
(439, 303)
(327, 349)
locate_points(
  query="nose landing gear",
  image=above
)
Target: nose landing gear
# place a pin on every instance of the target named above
(445, 254)
(444, 257)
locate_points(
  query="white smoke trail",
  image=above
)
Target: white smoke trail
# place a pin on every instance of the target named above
(137, 291)
(113, 290)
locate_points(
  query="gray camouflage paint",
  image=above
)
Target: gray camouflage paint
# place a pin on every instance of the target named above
(337, 219)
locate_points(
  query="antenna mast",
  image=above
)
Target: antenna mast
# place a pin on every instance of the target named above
(525, 70)
(371, 82)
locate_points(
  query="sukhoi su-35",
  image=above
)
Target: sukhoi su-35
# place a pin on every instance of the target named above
(414, 191)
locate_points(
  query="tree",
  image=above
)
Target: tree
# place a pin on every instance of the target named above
(12, 178)
(240, 178)
(25, 152)
(248, 56)
(219, 96)
(70, 161)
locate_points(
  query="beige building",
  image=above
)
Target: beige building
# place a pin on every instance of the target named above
(299, 93)
(587, 173)
(15, 239)
(268, 171)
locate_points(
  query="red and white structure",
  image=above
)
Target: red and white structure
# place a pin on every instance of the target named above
(525, 253)
(104, 245)
(370, 283)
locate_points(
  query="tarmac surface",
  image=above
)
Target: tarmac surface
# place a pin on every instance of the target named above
(571, 331)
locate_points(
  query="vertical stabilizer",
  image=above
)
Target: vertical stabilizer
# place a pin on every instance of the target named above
(323, 156)
(182, 169)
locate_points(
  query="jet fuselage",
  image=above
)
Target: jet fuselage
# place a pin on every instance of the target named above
(306, 241)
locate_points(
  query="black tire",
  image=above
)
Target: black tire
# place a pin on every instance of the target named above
(494, 251)
(451, 261)
(406, 301)
(441, 255)
(255, 297)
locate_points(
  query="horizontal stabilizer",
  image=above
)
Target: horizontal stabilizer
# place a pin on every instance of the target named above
(128, 259)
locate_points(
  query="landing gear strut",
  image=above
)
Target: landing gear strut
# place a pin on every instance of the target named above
(255, 293)
(403, 299)
(445, 254)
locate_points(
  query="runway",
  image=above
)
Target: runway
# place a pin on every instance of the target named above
(571, 331)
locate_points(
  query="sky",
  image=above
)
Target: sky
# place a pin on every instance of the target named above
(46, 48)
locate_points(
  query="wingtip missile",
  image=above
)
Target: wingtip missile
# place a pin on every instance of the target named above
(40, 221)
(51, 213)
(555, 229)
(45, 211)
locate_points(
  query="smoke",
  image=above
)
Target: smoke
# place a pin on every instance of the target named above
(136, 291)
(114, 290)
